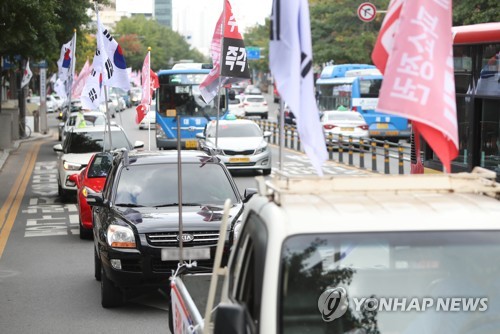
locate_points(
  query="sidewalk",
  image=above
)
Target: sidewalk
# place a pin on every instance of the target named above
(4, 154)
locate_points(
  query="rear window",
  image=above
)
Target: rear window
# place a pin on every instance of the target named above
(347, 116)
(255, 99)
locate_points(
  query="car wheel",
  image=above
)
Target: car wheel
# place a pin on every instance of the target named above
(97, 266)
(111, 296)
(84, 233)
(63, 195)
(266, 171)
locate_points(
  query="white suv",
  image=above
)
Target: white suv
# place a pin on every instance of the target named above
(79, 145)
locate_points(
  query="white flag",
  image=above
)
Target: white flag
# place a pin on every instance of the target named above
(92, 94)
(60, 88)
(109, 59)
(290, 60)
(66, 59)
(27, 75)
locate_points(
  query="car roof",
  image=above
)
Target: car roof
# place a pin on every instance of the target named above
(380, 203)
(97, 128)
(88, 112)
(255, 95)
(233, 121)
(169, 156)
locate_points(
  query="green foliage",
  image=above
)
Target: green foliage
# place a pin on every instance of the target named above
(258, 36)
(166, 45)
(467, 12)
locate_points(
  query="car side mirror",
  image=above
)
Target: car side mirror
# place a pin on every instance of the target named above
(249, 192)
(97, 199)
(267, 134)
(230, 318)
(200, 135)
(138, 144)
(74, 178)
(57, 148)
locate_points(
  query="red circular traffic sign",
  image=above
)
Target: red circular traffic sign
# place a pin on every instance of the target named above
(367, 11)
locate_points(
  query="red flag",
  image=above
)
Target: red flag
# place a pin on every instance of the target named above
(234, 65)
(149, 84)
(418, 80)
(142, 110)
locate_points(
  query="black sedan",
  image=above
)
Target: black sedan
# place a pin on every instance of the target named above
(136, 219)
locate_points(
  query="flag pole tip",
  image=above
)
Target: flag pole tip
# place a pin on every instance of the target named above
(74, 29)
(149, 48)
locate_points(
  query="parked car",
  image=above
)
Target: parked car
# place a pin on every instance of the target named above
(345, 123)
(90, 180)
(92, 118)
(136, 226)
(255, 105)
(241, 144)
(79, 145)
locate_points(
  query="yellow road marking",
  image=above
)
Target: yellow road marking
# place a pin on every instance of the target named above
(19, 188)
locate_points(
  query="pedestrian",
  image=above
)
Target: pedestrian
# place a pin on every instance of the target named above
(80, 119)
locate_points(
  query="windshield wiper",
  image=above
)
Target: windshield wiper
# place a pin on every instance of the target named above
(176, 204)
(130, 205)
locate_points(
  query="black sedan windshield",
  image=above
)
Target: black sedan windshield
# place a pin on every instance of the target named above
(156, 185)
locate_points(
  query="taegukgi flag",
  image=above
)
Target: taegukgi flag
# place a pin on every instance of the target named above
(93, 92)
(109, 59)
(66, 59)
(419, 81)
(27, 75)
(290, 60)
(228, 44)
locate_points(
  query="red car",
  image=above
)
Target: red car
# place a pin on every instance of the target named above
(91, 179)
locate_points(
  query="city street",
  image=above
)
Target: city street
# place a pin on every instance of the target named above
(46, 271)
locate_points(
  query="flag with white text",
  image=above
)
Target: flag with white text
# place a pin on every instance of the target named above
(419, 81)
(290, 61)
(229, 58)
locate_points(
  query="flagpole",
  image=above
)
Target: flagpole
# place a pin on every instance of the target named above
(73, 65)
(223, 23)
(149, 102)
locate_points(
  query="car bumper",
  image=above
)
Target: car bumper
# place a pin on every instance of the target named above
(170, 144)
(403, 134)
(254, 162)
(145, 268)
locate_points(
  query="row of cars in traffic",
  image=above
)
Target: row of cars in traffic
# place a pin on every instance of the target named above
(128, 203)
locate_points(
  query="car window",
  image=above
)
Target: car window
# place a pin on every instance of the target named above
(156, 185)
(235, 130)
(255, 99)
(87, 142)
(100, 166)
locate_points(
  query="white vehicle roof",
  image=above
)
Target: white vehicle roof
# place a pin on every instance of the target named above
(379, 203)
(98, 128)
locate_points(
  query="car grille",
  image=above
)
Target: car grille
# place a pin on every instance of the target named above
(169, 239)
(247, 152)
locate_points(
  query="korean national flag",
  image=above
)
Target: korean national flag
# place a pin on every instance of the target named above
(92, 94)
(65, 60)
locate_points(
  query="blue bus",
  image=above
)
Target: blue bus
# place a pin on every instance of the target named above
(179, 94)
(357, 86)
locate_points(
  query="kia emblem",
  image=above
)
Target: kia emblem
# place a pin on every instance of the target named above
(186, 237)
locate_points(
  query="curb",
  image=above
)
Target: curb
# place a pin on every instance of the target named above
(17, 143)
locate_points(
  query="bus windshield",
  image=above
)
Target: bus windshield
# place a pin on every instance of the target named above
(181, 92)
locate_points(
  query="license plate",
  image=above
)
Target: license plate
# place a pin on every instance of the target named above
(346, 129)
(382, 126)
(239, 159)
(172, 254)
(191, 144)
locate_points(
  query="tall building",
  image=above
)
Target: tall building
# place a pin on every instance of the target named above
(162, 12)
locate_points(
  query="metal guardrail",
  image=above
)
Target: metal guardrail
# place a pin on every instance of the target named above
(363, 153)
